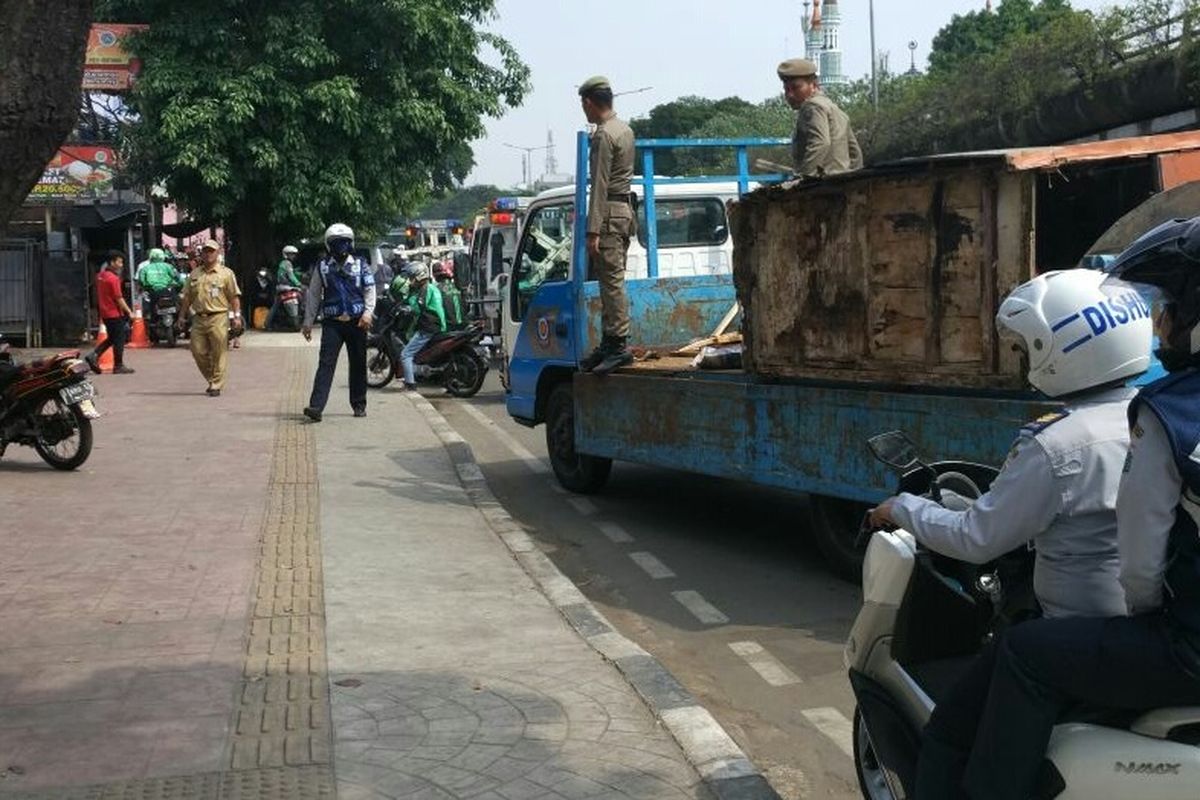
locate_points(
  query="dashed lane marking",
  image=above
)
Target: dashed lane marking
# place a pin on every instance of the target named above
(834, 725)
(507, 439)
(615, 533)
(652, 566)
(766, 665)
(701, 609)
(584, 506)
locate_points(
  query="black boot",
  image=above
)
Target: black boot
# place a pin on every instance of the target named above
(618, 356)
(592, 361)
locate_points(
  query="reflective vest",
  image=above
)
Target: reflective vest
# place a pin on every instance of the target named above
(345, 286)
(1175, 400)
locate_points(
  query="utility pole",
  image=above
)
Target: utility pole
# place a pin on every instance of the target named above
(527, 161)
(874, 60)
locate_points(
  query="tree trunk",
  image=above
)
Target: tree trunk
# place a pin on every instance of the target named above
(253, 238)
(42, 45)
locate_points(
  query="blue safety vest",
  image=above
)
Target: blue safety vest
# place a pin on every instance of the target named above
(1175, 400)
(344, 293)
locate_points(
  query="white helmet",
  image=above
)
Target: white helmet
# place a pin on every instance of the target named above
(338, 231)
(1076, 334)
(290, 250)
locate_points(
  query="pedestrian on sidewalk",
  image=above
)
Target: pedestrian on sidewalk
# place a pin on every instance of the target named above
(611, 222)
(114, 312)
(210, 294)
(343, 288)
(426, 302)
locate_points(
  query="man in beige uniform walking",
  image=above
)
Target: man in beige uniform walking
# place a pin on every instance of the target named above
(210, 293)
(611, 222)
(823, 142)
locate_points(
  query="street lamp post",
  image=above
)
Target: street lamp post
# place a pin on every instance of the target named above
(874, 59)
(526, 162)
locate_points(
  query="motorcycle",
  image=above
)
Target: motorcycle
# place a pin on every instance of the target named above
(164, 309)
(289, 300)
(455, 359)
(47, 405)
(923, 620)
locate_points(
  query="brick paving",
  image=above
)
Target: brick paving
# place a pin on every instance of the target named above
(163, 614)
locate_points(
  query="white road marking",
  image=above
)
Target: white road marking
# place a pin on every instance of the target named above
(507, 439)
(615, 533)
(766, 665)
(584, 506)
(652, 566)
(701, 609)
(834, 725)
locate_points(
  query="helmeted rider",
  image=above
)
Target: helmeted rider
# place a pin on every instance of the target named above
(285, 278)
(1057, 488)
(1150, 658)
(155, 275)
(426, 302)
(343, 288)
(452, 302)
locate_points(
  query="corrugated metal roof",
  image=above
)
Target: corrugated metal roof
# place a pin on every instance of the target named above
(1043, 158)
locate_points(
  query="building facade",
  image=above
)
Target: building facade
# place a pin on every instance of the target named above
(822, 24)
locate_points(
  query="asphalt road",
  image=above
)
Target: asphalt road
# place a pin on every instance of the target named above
(715, 578)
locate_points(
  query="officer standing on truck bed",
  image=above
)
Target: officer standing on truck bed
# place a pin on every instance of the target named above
(823, 142)
(611, 222)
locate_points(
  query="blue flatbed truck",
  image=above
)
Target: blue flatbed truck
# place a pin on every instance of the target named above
(801, 434)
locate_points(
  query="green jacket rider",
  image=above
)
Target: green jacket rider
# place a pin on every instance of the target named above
(156, 274)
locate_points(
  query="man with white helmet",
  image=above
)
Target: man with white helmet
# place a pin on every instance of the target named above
(343, 288)
(285, 278)
(1151, 658)
(1057, 489)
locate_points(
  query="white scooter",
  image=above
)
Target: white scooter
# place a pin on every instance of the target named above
(924, 617)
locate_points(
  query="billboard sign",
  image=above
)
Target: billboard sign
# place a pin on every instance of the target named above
(77, 172)
(108, 67)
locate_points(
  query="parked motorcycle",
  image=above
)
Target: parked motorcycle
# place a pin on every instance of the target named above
(926, 616)
(47, 405)
(455, 360)
(289, 301)
(164, 310)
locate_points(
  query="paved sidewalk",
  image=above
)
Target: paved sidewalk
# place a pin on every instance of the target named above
(453, 675)
(176, 613)
(124, 586)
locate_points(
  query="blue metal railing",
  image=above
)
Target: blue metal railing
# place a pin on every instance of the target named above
(648, 181)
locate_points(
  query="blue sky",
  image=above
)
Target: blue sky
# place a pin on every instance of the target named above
(712, 48)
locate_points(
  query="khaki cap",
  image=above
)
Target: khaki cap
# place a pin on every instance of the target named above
(797, 68)
(593, 83)
(211, 244)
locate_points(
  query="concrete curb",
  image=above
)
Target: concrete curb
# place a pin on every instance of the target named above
(722, 765)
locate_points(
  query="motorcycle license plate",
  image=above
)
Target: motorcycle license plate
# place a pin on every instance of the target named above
(77, 393)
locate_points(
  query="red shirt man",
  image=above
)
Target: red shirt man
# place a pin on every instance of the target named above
(115, 313)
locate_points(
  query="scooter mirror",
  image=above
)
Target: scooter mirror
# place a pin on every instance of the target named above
(895, 449)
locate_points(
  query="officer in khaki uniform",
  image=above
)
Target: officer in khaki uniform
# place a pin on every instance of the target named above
(823, 142)
(611, 222)
(209, 294)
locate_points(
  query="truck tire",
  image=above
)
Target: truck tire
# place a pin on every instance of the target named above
(575, 471)
(835, 524)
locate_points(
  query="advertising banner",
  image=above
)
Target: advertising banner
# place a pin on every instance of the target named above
(107, 66)
(77, 172)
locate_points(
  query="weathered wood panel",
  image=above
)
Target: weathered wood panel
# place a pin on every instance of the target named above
(887, 278)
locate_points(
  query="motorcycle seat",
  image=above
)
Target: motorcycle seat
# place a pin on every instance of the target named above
(1163, 722)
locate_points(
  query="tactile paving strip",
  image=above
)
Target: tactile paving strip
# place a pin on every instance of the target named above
(282, 717)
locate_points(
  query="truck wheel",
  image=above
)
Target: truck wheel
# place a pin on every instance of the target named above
(575, 471)
(835, 524)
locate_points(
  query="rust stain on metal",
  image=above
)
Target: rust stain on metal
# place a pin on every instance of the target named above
(1134, 147)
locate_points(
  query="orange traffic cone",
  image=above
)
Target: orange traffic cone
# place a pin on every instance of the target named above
(106, 358)
(140, 340)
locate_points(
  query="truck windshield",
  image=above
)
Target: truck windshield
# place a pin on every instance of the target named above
(689, 222)
(545, 253)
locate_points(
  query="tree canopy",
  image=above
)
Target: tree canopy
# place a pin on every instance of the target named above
(288, 115)
(981, 33)
(464, 203)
